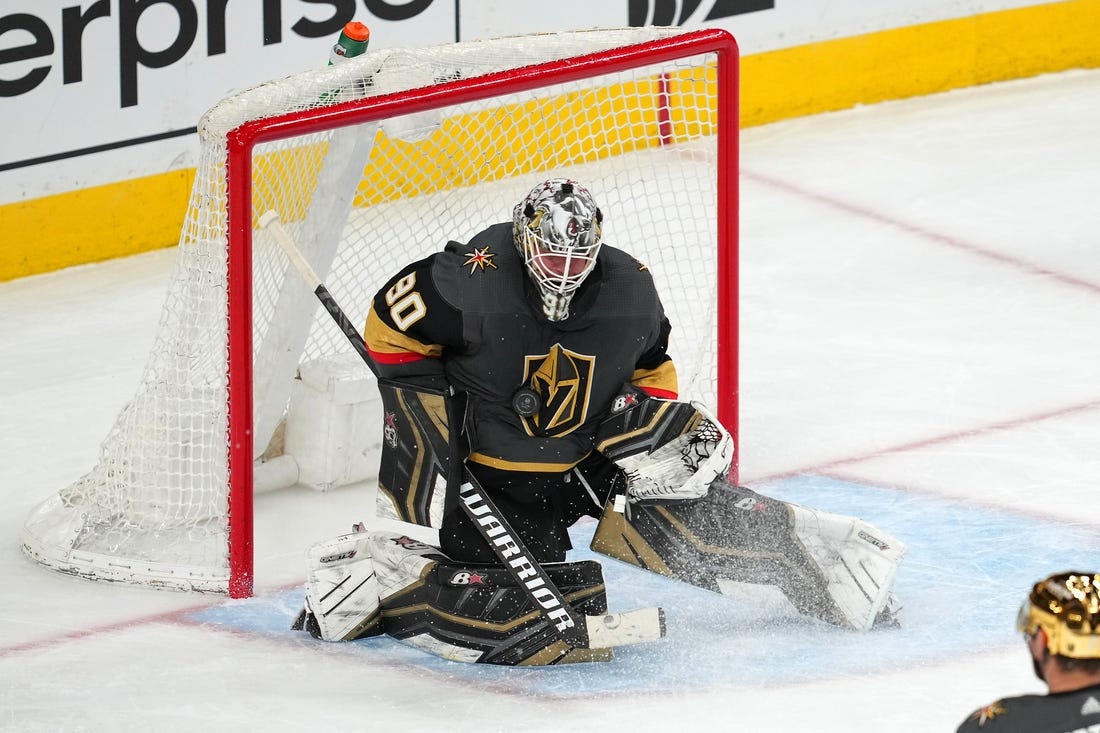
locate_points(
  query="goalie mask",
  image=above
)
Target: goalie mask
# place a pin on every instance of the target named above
(557, 232)
(1067, 607)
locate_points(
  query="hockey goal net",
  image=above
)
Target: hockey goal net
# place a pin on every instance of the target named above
(372, 164)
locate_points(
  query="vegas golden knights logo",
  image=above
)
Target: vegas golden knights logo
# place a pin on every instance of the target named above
(563, 381)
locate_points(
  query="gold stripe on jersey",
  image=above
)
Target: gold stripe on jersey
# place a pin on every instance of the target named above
(527, 466)
(385, 340)
(662, 377)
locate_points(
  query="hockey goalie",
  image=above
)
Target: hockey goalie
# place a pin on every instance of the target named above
(593, 429)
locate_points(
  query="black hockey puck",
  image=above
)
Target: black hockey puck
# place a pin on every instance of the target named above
(526, 402)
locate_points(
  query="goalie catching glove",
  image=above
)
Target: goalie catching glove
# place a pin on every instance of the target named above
(668, 450)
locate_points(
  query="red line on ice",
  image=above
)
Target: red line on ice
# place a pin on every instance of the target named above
(822, 468)
(922, 232)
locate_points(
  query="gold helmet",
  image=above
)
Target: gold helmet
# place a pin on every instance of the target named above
(1067, 607)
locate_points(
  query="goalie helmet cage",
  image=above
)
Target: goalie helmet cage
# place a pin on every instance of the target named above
(371, 164)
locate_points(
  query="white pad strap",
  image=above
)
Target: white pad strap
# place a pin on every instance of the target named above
(682, 468)
(859, 561)
(342, 587)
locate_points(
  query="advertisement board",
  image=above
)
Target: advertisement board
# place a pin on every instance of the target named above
(97, 93)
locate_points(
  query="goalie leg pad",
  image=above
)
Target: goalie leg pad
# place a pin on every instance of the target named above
(859, 561)
(342, 590)
(737, 534)
(477, 613)
(731, 533)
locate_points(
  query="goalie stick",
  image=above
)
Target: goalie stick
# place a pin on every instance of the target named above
(586, 632)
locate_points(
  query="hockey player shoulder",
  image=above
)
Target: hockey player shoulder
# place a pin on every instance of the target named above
(1028, 713)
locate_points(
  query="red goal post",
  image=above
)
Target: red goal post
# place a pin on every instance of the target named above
(371, 164)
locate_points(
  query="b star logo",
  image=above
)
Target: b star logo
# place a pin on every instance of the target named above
(623, 402)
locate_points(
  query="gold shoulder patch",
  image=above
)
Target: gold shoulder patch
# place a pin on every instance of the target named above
(479, 258)
(989, 712)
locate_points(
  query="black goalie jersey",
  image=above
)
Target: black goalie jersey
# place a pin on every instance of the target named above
(471, 314)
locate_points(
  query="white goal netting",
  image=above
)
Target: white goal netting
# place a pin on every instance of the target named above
(467, 129)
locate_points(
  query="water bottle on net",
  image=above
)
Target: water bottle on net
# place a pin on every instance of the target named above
(353, 41)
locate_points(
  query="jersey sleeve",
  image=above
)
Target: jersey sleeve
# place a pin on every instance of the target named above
(655, 372)
(410, 324)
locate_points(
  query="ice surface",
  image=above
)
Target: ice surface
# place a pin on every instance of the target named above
(920, 319)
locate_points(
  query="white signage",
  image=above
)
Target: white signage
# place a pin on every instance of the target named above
(97, 91)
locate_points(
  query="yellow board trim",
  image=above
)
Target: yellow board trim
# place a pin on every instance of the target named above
(143, 214)
(919, 60)
(93, 224)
